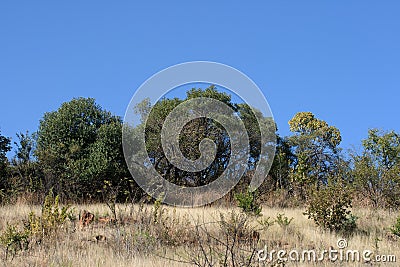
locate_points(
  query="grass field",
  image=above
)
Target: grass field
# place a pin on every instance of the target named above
(149, 235)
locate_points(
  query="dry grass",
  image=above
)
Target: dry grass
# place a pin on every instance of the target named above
(136, 242)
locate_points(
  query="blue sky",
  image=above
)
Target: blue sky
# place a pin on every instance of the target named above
(337, 59)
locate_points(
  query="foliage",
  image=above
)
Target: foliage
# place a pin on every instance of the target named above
(248, 203)
(53, 216)
(25, 147)
(26, 175)
(329, 208)
(280, 169)
(78, 147)
(35, 228)
(4, 148)
(283, 221)
(315, 145)
(266, 223)
(377, 169)
(158, 211)
(384, 147)
(14, 240)
(189, 139)
(194, 132)
(77, 151)
(395, 229)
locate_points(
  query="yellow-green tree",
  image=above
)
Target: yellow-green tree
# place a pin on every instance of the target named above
(315, 145)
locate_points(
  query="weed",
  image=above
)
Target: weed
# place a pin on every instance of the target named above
(266, 223)
(14, 240)
(283, 221)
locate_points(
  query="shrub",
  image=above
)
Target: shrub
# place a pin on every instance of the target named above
(247, 202)
(349, 224)
(395, 229)
(52, 218)
(283, 221)
(158, 211)
(235, 226)
(35, 228)
(329, 208)
(14, 240)
(266, 223)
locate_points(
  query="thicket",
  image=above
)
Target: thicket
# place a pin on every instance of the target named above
(77, 153)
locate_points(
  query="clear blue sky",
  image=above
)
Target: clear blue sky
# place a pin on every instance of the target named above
(337, 59)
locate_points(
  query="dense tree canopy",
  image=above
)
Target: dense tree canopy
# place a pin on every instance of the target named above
(77, 151)
(4, 147)
(315, 144)
(194, 132)
(79, 146)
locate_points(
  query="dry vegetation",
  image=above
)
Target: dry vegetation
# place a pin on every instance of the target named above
(76, 156)
(152, 235)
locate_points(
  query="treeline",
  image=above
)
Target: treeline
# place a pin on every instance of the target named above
(77, 153)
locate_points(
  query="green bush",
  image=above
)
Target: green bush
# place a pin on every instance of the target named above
(395, 229)
(247, 202)
(349, 224)
(14, 240)
(53, 217)
(329, 208)
(35, 228)
(283, 221)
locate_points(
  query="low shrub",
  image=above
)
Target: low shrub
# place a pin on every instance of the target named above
(329, 207)
(283, 221)
(395, 229)
(248, 203)
(14, 240)
(36, 228)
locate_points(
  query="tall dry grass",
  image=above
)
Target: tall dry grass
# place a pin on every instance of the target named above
(140, 238)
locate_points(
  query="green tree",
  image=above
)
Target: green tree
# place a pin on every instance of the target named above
(194, 132)
(315, 145)
(78, 147)
(377, 169)
(4, 148)
(25, 147)
(190, 137)
(26, 175)
(283, 160)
